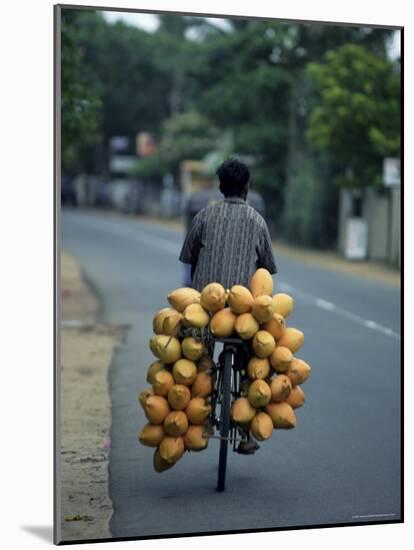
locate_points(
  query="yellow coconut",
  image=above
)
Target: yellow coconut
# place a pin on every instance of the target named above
(163, 381)
(276, 326)
(258, 368)
(160, 465)
(213, 297)
(242, 411)
(184, 372)
(205, 363)
(156, 409)
(281, 387)
(197, 410)
(179, 397)
(166, 348)
(183, 297)
(296, 397)
(281, 358)
(159, 319)
(196, 316)
(292, 338)
(222, 323)
(155, 367)
(283, 304)
(172, 323)
(175, 423)
(192, 349)
(202, 385)
(153, 343)
(282, 415)
(261, 426)
(263, 308)
(194, 439)
(143, 396)
(261, 283)
(259, 394)
(298, 371)
(151, 435)
(246, 326)
(171, 449)
(240, 299)
(263, 343)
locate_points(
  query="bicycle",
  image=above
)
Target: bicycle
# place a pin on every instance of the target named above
(228, 375)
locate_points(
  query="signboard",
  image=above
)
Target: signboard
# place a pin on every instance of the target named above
(121, 163)
(119, 143)
(391, 172)
(145, 144)
(356, 240)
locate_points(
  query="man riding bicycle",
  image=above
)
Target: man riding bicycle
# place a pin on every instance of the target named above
(228, 241)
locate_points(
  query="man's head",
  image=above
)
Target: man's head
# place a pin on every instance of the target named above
(234, 178)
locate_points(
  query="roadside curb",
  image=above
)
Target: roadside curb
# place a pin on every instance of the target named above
(87, 350)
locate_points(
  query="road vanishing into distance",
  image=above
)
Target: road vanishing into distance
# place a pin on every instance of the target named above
(341, 464)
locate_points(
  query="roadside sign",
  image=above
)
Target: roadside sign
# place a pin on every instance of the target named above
(145, 144)
(391, 172)
(121, 163)
(356, 240)
(119, 143)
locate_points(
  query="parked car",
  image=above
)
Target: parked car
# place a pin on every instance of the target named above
(67, 192)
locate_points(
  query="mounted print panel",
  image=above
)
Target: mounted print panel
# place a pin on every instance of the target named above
(228, 214)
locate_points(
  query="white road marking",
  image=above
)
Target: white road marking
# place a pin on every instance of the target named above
(76, 323)
(323, 304)
(329, 306)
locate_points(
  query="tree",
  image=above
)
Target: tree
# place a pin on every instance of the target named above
(80, 104)
(123, 62)
(187, 135)
(358, 117)
(253, 83)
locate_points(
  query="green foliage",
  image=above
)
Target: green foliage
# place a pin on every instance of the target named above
(153, 166)
(80, 105)
(357, 117)
(310, 214)
(187, 135)
(123, 64)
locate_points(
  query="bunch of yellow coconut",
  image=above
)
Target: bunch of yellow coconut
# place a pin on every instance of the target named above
(272, 390)
(177, 405)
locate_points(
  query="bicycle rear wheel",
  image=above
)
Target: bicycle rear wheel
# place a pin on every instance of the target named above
(225, 417)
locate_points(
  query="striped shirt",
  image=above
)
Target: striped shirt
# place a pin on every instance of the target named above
(226, 243)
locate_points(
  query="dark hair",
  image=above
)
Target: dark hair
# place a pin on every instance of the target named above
(234, 177)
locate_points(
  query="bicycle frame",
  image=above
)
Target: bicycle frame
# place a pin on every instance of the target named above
(217, 395)
(227, 376)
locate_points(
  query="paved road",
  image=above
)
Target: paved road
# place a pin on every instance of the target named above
(341, 464)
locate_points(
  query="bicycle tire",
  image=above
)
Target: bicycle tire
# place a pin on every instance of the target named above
(225, 419)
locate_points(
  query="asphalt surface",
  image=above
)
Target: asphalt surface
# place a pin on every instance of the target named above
(341, 464)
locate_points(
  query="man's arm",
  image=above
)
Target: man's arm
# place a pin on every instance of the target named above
(192, 243)
(265, 252)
